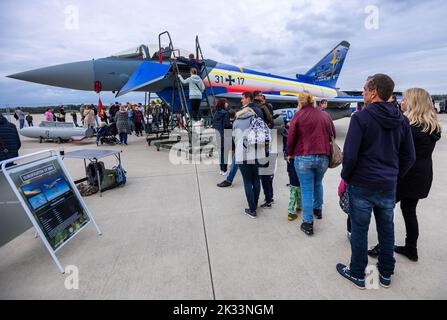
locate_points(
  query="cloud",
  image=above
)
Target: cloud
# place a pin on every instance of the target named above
(282, 37)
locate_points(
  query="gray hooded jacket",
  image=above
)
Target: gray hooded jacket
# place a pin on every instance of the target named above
(196, 86)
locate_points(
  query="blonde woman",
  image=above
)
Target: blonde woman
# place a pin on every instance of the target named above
(417, 105)
(89, 117)
(308, 144)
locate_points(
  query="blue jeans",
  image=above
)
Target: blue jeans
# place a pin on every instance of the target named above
(252, 184)
(123, 137)
(311, 170)
(362, 201)
(233, 170)
(131, 125)
(22, 123)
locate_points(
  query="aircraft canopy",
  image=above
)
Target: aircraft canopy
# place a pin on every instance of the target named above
(150, 52)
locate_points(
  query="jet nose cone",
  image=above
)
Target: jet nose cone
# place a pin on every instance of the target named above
(76, 75)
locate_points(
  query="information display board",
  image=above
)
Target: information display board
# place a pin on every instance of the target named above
(49, 197)
(51, 200)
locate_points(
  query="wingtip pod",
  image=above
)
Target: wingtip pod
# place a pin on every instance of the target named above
(345, 43)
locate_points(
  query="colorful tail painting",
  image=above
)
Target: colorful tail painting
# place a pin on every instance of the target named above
(326, 72)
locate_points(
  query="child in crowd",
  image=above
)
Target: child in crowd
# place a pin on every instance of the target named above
(102, 131)
(344, 204)
(29, 119)
(149, 120)
(266, 173)
(295, 203)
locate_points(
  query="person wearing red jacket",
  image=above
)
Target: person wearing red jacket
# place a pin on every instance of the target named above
(308, 143)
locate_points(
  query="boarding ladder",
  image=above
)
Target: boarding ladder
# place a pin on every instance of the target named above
(178, 83)
(183, 101)
(199, 55)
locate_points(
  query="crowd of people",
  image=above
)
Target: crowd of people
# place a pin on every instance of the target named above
(387, 159)
(131, 119)
(137, 118)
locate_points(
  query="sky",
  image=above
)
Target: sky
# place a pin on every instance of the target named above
(405, 39)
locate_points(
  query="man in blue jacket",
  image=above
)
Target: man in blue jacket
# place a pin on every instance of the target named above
(378, 149)
(9, 140)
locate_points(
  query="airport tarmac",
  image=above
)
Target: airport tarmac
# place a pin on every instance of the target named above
(170, 233)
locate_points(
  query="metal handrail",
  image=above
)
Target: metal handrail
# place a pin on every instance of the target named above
(199, 50)
(173, 63)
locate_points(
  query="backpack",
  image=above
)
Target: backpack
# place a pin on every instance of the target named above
(109, 180)
(92, 174)
(259, 132)
(16, 116)
(120, 175)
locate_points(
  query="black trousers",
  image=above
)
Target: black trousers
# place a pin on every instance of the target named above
(223, 158)
(267, 186)
(138, 128)
(408, 207)
(195, 109)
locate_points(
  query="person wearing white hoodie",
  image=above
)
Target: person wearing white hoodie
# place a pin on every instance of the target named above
(196, 87)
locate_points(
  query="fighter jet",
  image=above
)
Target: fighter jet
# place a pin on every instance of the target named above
(155, 69)
(52, 184)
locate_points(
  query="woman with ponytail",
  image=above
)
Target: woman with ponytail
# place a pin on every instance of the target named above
(309, 148)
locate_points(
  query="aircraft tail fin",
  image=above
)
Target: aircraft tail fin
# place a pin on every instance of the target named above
(327, 70)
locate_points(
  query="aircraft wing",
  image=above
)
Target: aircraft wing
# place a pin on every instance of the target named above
(276, 98)
(147, 73)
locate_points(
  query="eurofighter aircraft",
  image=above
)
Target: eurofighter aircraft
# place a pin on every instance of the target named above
(155, 69)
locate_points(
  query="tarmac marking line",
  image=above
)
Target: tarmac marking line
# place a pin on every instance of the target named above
(204, 231)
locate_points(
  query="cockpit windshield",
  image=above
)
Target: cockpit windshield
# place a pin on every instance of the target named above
(150, 52)
(140, 52)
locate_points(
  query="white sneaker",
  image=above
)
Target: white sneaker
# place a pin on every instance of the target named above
(221, 173)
